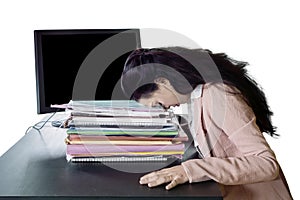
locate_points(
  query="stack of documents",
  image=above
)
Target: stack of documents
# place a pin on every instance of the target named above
(121, 131)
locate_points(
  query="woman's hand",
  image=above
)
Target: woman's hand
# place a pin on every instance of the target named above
(175, 175)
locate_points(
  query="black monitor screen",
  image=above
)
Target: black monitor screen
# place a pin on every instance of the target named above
(61, 53)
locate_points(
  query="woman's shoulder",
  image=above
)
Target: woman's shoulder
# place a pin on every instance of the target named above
(221, 98)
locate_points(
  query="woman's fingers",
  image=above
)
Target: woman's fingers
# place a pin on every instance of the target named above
(156, 178)
(160, 180)
(174, 176)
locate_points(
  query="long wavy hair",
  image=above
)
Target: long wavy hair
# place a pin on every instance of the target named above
(140, 71)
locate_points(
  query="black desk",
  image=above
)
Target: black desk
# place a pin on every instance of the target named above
(36, 167)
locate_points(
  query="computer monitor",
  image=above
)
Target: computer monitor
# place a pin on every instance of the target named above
(59, 54)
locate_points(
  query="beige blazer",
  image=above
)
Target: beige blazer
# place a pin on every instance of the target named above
(236, 154)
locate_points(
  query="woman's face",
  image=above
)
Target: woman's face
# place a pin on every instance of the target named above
(165, 96)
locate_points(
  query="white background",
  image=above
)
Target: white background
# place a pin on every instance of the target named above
(264, 33)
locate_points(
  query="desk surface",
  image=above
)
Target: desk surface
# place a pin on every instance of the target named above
(36, 167)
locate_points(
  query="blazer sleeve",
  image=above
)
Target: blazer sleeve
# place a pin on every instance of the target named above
(254, 162)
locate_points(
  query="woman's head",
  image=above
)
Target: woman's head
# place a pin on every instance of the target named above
(147, 69)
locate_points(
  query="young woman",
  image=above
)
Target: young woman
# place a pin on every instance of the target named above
(228, 113)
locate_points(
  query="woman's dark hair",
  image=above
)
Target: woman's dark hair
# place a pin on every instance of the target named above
(193, 67)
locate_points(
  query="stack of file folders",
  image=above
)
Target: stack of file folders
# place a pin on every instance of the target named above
(117, 130)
